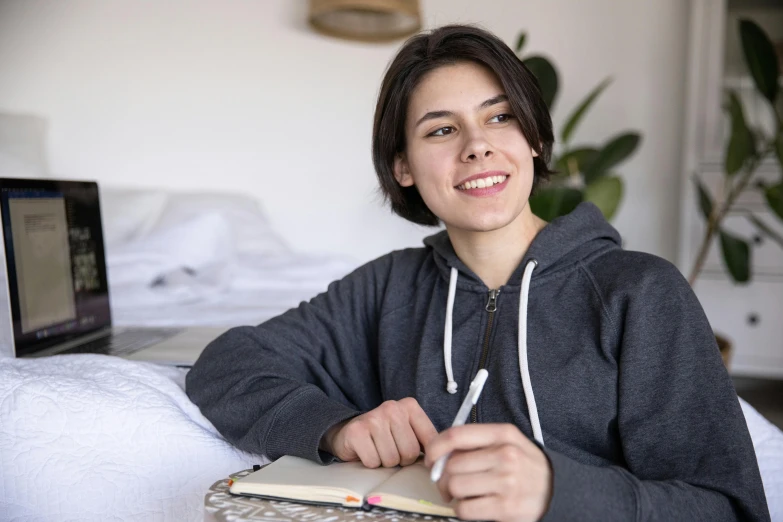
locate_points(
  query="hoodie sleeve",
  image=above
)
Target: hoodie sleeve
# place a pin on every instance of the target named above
(275, 389)
(686, 445)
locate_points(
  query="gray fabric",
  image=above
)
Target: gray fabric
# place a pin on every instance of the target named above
(639, 417)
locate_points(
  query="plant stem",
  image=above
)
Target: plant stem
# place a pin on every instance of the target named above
(703, 250)
(719, 212)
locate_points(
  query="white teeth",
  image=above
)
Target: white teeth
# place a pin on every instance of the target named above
(482, 182)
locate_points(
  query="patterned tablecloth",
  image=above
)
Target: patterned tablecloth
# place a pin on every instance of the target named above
(222, 506)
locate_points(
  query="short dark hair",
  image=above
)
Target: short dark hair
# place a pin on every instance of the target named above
(426, 52)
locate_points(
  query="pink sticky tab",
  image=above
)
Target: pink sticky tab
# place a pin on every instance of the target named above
(374, 500)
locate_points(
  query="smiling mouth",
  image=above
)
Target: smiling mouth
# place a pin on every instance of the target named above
(482, 182)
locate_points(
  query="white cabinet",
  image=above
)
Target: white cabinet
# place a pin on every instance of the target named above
(751, 315)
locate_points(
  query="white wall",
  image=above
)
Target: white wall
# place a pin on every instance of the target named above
(242, 95)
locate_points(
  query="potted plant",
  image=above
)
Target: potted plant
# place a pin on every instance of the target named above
(584, 172)
(747, 148)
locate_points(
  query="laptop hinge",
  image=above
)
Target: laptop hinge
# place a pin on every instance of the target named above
(78, 341)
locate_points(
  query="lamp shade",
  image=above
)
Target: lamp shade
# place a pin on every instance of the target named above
(366, 20)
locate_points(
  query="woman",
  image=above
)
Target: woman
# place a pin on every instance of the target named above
(606, 397)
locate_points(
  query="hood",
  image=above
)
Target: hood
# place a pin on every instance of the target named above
(561, 243)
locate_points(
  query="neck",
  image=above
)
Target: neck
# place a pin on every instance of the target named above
(495, 254)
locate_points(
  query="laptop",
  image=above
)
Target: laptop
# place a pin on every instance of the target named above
(54, 294)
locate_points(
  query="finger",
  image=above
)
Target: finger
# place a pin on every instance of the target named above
(406, 441)
(365, 449)
(481, 484)
(473, 436)
(473, 461)
(443, 489)
(385, 445)
(422, 425)
(481, 508)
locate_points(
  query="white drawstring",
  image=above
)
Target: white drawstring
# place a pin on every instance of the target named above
(524, 371)
(451, 387)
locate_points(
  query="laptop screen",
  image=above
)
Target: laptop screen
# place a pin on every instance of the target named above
(55, 261)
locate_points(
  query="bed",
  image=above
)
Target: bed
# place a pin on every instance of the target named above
(90, 437)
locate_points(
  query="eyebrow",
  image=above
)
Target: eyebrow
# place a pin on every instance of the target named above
(432, 115)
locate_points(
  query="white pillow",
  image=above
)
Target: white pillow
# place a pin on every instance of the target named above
(129, 213)
(250, 229)
(135, 214)
(154, 237)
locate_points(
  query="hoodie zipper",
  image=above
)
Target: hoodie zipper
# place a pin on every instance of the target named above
(491, 308)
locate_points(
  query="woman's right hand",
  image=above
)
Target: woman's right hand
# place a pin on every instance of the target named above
(392, 434)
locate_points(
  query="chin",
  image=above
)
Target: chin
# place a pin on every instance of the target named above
(484, 223)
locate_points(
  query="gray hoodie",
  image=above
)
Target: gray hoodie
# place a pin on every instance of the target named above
(625, 386)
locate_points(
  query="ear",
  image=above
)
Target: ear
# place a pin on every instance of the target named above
(535, 154)
(402, 172)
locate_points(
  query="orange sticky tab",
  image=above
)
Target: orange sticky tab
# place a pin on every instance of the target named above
(374, 500)
(230, 482)
(352, 499)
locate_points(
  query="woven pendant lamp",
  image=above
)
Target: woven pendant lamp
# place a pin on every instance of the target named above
(366, 20)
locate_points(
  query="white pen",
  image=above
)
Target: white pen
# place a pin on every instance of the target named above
(462, 415)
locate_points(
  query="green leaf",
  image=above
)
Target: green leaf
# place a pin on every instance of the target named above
(521, 41)
(736, 113)
(552, 202)
(736, 256)
(741, 145)
(774, 196)
(546, 74)
(577, 115)
(761, 58)
(705, 201)
(580, 158)
(617, 150)
(737, 152)
(606, 193)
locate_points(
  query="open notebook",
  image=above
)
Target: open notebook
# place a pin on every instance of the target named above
(347, 484)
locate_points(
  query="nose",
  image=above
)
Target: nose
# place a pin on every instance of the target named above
(476, 147)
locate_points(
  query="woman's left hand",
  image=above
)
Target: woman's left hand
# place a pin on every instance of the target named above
(494, 472)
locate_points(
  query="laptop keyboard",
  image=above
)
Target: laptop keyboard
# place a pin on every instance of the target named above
(125, 342)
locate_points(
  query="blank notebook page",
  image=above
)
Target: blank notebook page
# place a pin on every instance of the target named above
(295, 471)
(412, 482)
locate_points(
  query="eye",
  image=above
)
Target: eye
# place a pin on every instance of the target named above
(501, 118)
(443, 131)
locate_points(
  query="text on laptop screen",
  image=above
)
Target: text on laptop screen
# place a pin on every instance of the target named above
(54, 259)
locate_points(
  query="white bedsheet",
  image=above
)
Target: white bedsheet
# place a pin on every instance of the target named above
(90, 437)
(250, 291)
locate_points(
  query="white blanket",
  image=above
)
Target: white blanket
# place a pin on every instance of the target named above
(91, 437)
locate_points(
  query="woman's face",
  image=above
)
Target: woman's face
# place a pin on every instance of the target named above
(466, 153)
